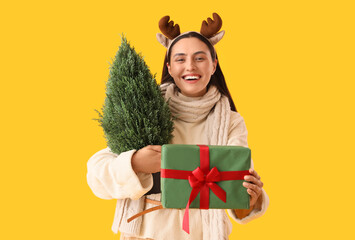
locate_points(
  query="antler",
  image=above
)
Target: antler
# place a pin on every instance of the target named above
(168, 28)
(212, 27)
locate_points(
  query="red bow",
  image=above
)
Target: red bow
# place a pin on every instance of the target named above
(201, 184)
(198, 181)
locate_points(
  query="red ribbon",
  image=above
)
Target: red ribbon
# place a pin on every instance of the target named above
(202, 179)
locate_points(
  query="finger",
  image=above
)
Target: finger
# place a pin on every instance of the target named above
(253, 197)
(252, 194)
(254, 173)
(254, 180)
(253, 187)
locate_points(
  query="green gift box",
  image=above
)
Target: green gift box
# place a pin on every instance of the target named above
(204, 176)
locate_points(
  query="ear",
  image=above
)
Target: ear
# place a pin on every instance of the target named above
(163, 40)
(214, 66)
(216, 38)
(167, 64)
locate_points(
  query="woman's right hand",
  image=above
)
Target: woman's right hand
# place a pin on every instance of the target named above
(147, 159)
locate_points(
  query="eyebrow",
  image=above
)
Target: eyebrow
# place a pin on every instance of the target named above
(184, 54)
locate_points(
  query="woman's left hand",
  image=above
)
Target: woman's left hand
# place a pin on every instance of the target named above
(254, 186)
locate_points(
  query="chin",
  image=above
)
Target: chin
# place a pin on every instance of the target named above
(193, 93)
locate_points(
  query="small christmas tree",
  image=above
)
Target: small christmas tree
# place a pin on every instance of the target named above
(135, 113)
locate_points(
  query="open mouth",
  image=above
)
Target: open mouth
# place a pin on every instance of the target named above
(191, 77)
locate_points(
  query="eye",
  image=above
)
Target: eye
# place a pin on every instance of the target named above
(200, 58)
(179, 59)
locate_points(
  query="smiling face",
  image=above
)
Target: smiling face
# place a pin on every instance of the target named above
(191, 66)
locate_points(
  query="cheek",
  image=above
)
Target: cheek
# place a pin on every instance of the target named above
(175, 70)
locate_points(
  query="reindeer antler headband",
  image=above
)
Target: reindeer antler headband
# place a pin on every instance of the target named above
(209, 30)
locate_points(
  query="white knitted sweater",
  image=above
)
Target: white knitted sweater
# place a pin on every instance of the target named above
(110, 176)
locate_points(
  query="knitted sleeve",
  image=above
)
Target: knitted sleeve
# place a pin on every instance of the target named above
(238, 132)
(110, 176)
(238, 136)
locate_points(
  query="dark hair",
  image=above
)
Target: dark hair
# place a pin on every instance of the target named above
(217, 79)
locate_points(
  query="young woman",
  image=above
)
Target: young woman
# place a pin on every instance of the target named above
(204, 114)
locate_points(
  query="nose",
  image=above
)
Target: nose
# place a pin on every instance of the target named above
(190, 65)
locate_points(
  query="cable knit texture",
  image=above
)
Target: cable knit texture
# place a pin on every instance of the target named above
(212, 105)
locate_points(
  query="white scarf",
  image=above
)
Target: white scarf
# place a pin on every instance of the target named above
(213, 104)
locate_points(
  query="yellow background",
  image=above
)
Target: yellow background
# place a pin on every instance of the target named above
(289, 66)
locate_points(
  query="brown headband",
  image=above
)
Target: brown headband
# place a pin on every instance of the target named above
(171, 31)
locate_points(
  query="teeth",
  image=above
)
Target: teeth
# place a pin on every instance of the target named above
(191, 77)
